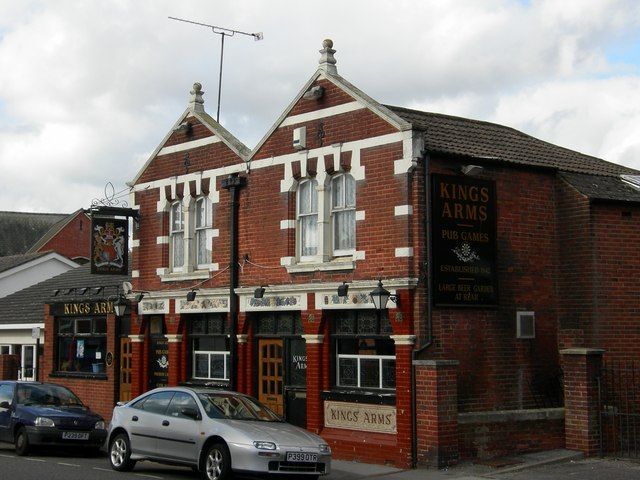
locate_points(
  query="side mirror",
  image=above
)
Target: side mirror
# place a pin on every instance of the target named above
(190, 412)
(5, 405)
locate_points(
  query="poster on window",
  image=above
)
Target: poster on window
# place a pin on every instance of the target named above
(463, 212)
(109, 245)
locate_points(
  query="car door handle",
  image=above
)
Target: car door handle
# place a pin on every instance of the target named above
(165, 423)
(134, 418)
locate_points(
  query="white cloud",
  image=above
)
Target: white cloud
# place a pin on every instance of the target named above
(88, 89)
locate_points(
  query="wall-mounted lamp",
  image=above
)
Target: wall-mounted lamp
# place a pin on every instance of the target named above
(380, 296)
(191, 296)
(68, 291)
(82, 291)
(97, 290)
(56, 292)
(343, 289)
(259, 292)
(471, 169)
(120, 306)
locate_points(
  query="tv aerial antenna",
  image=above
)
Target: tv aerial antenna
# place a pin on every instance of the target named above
(223, 32)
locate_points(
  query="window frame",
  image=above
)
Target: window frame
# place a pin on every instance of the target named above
(174, 233)
(313, 193)
(75, 334)
(226, 354)
(379, 334)
(343, 208)
(202, 229)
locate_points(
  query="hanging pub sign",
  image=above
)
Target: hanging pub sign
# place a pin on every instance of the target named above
(464, 241)
(109, 245)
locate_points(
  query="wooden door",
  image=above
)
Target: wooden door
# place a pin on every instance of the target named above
(125, 369)
(270, 380)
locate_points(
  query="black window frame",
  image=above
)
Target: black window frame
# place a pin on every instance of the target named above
(98, 329)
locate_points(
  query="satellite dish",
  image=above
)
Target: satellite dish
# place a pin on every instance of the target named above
(127, 288)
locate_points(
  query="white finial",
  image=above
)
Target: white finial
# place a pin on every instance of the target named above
(196, 103)
(327, 60)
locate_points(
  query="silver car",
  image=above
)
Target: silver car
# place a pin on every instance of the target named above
(215, 432)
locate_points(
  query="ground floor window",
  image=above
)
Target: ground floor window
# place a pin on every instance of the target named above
(209, 340)
(81, 344)
(365, 353)
(6, 350)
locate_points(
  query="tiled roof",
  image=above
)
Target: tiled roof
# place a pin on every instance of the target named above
(20, 230)
(12, 261)
(473, 138)
(596, 187)
(27, 305)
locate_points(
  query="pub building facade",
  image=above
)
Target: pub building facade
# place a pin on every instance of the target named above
(257, 269)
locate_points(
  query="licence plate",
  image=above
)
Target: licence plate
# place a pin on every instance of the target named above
(306, 457)
(75, 436)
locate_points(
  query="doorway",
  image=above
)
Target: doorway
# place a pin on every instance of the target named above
(270, 381)
(27, 363)
(126, 356)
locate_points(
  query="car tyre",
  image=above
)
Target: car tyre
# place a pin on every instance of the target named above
(217, 463)
(120, 453)
(22, 442)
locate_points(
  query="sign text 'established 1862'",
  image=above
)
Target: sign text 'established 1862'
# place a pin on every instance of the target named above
(464, 241)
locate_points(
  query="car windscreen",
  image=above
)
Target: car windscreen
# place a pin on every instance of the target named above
(236, 407)
(53, 395)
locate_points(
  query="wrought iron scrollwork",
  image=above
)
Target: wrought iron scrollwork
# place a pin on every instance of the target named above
(111, 197)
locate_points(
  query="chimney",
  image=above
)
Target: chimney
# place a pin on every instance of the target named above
(196, 103)
(327, 60)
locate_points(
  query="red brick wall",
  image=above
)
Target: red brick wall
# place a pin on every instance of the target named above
(9, 367)
(73, 240)
(497, 370)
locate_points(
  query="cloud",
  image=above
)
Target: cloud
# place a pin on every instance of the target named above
(88, 89)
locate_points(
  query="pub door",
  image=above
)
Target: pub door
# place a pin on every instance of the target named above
(270, 374)
(125, 369)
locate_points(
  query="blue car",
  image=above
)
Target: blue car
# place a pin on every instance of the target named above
(33, 413)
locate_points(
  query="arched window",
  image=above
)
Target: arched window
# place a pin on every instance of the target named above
(308, 217)
(176, 236)
(203, 222)
(343, 214)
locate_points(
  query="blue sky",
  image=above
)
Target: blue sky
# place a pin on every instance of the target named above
(88, 89)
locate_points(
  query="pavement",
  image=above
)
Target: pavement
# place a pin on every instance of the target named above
(502, 468)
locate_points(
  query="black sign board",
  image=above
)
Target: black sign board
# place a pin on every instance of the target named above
(159, 362)
(464, 241)
(81, 309)
(109, 245)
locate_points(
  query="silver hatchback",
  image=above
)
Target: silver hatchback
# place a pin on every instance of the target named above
(215, 432)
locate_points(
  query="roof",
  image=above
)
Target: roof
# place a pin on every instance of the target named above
(54, 230)
(12, 261)
(20, 230)
(484, 140)
(602, 188)
(27, 305)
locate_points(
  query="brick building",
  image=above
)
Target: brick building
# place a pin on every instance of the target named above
(497, 249)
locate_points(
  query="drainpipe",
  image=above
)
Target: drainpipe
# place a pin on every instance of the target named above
(429, 340)
(233, 183)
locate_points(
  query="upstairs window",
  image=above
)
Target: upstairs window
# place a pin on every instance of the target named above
(176, 236)
(308, 218)
(343, 214)
(202, 227)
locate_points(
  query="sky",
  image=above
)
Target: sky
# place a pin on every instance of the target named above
(88, 89)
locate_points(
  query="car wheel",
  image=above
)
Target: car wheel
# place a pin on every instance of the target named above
(22, 442)
(120, 453)
(217, 463)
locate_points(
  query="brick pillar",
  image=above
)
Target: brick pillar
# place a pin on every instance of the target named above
(315, 415)
(137, 365)
(175, 358)
(437, 412)
(404, 347)
(9, 367)
(581, 367)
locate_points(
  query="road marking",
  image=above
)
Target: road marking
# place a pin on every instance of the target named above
(7, 456)
(103, 469)
(68, 464)
(145, 475)
(35, 459)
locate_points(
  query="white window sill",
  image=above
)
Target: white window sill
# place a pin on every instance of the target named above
(181, 276)
(343, 263)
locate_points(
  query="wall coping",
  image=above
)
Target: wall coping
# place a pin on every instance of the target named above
(505, 416)
(582, 351)
(436, 363)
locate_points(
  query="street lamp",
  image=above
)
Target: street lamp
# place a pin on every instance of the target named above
(120, 306)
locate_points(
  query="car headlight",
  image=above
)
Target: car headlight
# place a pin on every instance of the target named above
(100, 425)
(264, 445)
(324, 448)
(44, 422)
